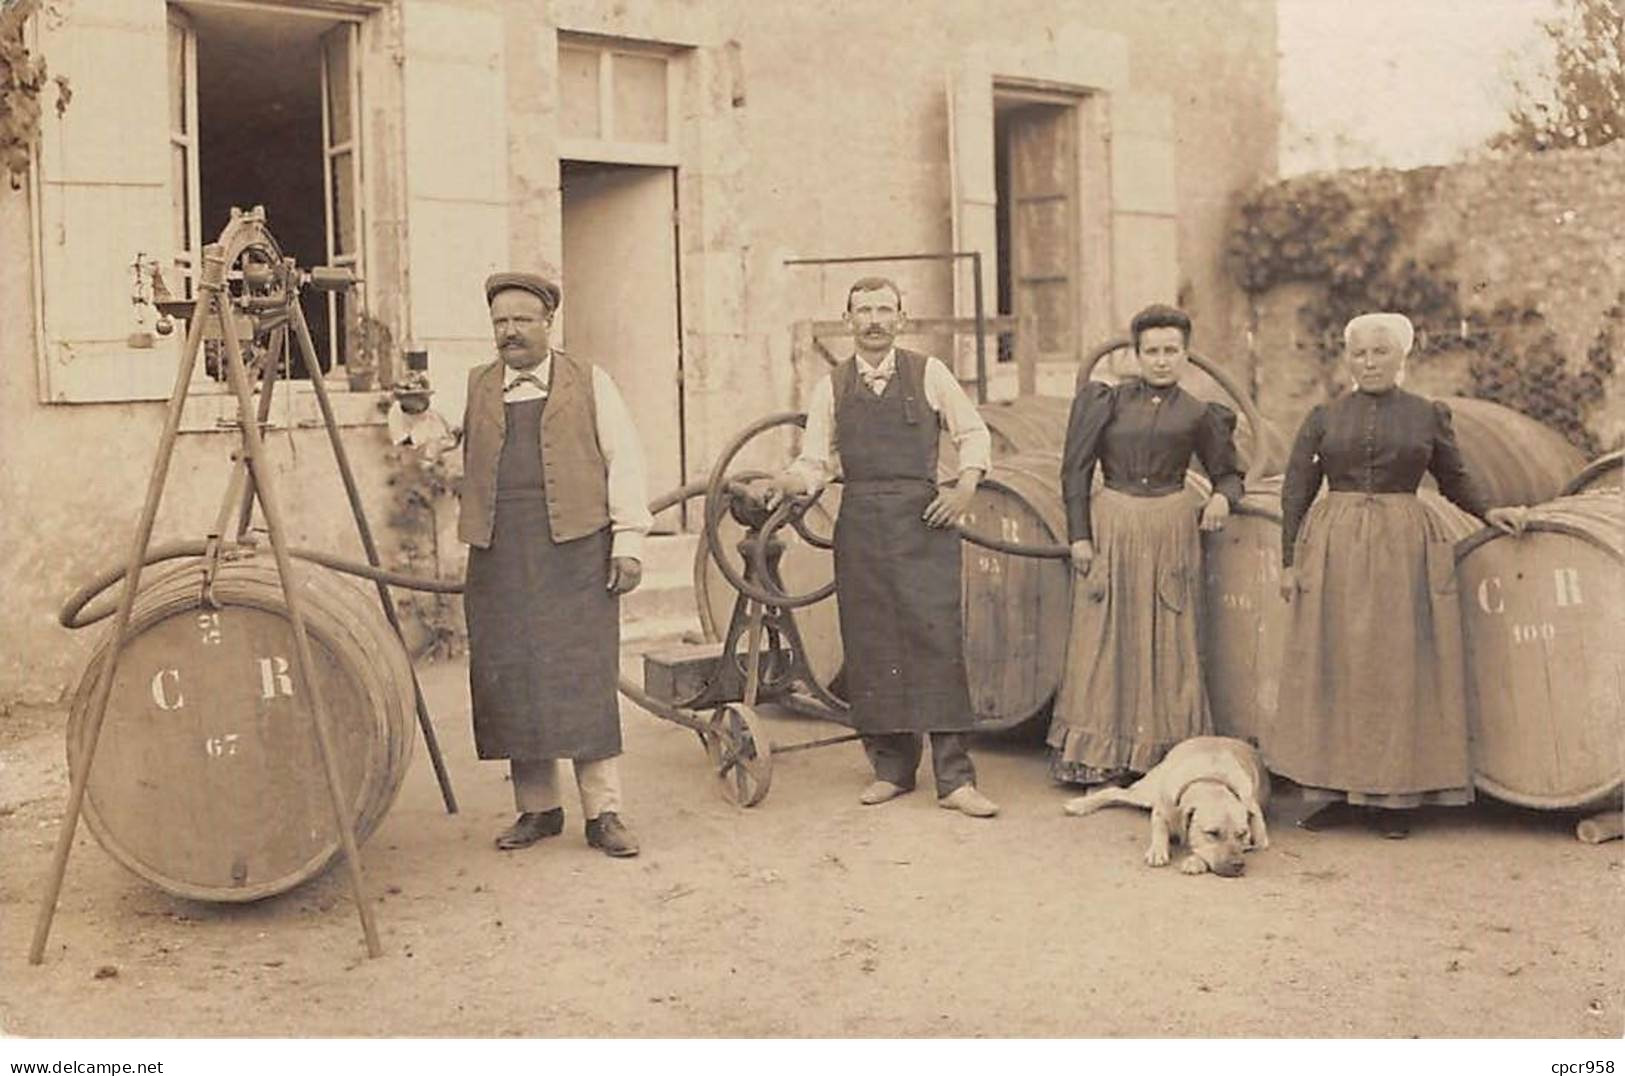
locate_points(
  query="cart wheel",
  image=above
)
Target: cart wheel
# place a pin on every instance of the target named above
(741, 754)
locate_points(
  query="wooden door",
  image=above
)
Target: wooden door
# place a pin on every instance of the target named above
(1043, 226)
(620, 301)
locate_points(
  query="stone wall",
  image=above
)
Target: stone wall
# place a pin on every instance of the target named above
(1541, 233)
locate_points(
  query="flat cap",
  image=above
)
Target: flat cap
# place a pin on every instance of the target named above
(539, 286)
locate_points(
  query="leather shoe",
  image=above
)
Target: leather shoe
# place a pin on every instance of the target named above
(1328, 816)
(880, 792)
(609, 834)
(531, 827)
(967, 800)
(1391, 823)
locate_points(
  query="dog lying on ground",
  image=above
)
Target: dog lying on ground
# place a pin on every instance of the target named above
(1210, 791)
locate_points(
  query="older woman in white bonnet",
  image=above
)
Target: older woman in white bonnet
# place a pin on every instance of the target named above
(1372, 703)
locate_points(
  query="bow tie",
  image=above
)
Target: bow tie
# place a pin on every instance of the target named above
(875, 380)
(522, 379)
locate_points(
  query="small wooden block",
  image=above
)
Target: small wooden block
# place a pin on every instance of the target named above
(676, 673)
(1607, 826)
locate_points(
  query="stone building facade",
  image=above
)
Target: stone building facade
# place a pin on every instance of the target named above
(665, 157)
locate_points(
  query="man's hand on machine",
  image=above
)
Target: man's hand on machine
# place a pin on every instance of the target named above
(625, 573)
(782, 485)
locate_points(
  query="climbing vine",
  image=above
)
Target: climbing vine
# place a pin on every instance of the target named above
(1346, 235)
(23, 78)
(421, 485)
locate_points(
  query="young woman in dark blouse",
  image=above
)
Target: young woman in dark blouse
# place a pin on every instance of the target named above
(1133, 687)
(1372, 707)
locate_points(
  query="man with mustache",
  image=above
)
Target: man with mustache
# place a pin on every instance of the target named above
(554, 509)
(875, 420)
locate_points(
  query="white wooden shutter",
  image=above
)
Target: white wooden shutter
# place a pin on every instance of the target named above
(1145, 203)
(105, 199)
(341, 174)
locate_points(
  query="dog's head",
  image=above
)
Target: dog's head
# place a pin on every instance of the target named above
(1213, 827)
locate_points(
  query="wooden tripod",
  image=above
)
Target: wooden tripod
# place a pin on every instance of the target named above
(252, 480)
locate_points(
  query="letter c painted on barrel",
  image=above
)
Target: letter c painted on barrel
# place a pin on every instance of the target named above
(1495, 604)
(160, 693)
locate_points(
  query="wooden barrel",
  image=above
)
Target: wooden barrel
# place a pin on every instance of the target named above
(1245, 619)
(1517, 459)
(1017, 610)
(1601, 474)
(208, 781)
(805, 568)
(1025, 424)
(1545, 677)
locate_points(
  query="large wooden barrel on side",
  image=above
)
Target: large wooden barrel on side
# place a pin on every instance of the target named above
(207, 779)
(1545, 675)
(1025, 424)
(1517, 459)
(1600, 475)
(1245, 618)
(1018, 609)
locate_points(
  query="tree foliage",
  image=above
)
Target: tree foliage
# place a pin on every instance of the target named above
(1580, 101)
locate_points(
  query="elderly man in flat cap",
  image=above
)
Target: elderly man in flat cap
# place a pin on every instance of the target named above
(554, 509)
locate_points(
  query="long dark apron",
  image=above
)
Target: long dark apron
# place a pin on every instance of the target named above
(543, 631)
(898, 578)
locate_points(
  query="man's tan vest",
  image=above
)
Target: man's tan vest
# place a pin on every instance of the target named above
(574, 471)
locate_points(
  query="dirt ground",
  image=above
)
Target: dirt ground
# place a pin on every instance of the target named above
(811, 915)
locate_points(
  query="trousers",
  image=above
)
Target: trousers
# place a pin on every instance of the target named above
(536, 784)
(895, 757)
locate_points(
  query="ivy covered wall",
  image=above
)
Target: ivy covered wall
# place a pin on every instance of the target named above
(1512, 269)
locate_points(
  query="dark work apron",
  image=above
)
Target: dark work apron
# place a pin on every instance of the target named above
(543, 632)
(898, 578)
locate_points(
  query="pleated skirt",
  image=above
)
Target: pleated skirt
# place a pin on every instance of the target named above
(1132, 687)
(1373, 696)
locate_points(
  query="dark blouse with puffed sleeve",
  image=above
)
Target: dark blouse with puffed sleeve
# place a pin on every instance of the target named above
(1143, 439)
(1374, 443)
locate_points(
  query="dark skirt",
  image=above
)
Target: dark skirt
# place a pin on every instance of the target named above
(1373, 700)
(1133, 687)
(900, 611)
(544, 640)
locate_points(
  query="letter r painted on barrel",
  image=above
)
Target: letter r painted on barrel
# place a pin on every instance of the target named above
(1568, 586)
(160, 689)
(274, 678)
(1489, 595)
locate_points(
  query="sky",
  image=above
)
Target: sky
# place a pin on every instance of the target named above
(1399, 83)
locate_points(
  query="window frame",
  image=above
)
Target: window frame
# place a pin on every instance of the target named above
(607, 149)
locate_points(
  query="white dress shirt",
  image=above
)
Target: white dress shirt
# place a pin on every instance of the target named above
(629, 517)
(820, 462)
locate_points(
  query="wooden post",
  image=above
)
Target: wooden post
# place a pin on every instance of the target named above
(352, 491)
(1024, 342)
